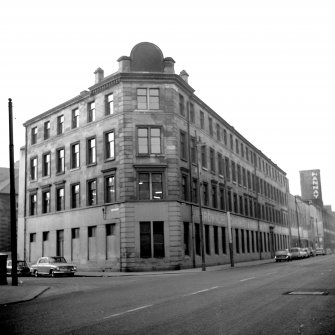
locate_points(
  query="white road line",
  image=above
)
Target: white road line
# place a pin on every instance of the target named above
(271, 273)
(247, 279)
(128, 311)
(197, 292)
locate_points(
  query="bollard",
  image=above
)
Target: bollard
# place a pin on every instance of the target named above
(3, 269)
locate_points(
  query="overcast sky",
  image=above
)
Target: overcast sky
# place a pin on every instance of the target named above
(267, 67)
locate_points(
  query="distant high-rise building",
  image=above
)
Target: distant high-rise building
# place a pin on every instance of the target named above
(310, 183)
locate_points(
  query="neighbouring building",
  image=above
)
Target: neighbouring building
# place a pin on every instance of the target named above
(113, 179)
(5, 212)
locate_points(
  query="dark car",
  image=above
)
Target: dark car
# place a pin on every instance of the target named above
(22, 268)
(52, 266)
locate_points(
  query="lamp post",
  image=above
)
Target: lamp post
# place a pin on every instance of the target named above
(12, 196)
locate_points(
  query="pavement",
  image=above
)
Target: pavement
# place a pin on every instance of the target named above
(24, 292)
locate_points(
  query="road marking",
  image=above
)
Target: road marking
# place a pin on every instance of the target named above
(271, 273)
(201, 291)
(248, 279)
(128, 311)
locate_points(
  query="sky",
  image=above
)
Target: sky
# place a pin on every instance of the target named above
(266, 67)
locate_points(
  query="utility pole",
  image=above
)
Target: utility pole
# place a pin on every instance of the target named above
(296, 211)
(12, 196)
(203, 259)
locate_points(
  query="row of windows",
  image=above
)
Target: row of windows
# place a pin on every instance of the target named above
(75, 196)
(75, 117)
(245, 241)
(75, 235)
(147, 98)
(235, 144)
(220, 198)
(91, 156)
(230, 170)
(149, 187)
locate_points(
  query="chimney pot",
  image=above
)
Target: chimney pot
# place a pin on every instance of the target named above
(99, 75)
(184, 75)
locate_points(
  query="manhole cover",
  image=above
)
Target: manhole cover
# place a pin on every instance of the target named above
(307, 293)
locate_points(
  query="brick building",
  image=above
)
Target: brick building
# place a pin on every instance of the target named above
(112, 178)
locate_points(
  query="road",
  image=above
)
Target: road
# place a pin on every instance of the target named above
(248, 300)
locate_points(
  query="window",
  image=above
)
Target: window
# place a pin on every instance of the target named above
(60, 242)
(148, 98)
(33, 204)
(150, 186)
(220, 164)
(91, 151)
(33, 135)
(197, 239)
(212, 159)
(203, 156)
(222, 198)
(60, 160)
(214, 196)
(233, 171)
(195, 191)
(75, 118)
(75, 233)
(110, 229)
(92, 192)
(60, 199)
(152, 239)
(46, 165)
(223, 237)
(110, 195)
(218, 132)
(193, 150)
(186, 238)
(216, 240)
(192, 118)
(32, 237)
(109, 145)
(184, 187)
(227, 172)
(91, 111)
(109, 104)
(149, 140)
(46, 201)
(202, 120)
(244, 177)
(33, 168)
(242, 241)
(183, 146)
(181, 105)
(225, 136)
(205, 193)
(60, 124)
(210, 126)
(75, 156)
(46, 130)
(91, 231)
(207, 240)
(237, 241)
(235, 203)
(236, 146)
(75, 195)
(239, 176)
(242, 150)
(231, 142)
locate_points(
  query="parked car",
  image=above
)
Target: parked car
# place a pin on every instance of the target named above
(320, 251)
(311, 251)
(283, 255)
(305, 252)
(52, 266)
(328, 251)
(22, 268)
(297, 253)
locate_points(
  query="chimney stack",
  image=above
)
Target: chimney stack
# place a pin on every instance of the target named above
(99, 75)
(184, 75)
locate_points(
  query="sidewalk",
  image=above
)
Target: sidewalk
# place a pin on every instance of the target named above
(24, 292)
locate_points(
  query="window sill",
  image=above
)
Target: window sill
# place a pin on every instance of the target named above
(91, 164)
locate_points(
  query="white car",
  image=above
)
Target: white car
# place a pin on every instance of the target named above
(52, 266)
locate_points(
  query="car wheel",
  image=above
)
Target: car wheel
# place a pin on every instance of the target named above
(36, 273)
(52, 273)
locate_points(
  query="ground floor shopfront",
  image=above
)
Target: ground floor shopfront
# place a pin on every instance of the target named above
(143, 236)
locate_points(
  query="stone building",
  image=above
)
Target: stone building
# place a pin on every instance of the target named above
(112, 179)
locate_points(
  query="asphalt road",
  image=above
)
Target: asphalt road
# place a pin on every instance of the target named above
(248, 300)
